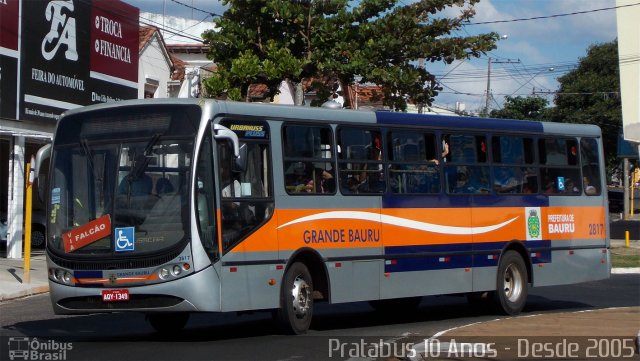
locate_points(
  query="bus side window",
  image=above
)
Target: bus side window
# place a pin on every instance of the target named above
(414, 163)
(308, 159)
(590, 160)
(361, 171)
(560, 171)
(204, 199)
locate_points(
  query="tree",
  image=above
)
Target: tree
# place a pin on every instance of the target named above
(338, 41)
(590, 94)
(531, 107)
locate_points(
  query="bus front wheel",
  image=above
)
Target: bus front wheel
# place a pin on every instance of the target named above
(168, 322)
(296, 300)
(512, 285)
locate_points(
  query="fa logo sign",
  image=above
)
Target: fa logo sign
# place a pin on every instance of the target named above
(125, 239)
(56, 37)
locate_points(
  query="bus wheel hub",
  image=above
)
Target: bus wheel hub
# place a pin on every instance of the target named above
(301, 297)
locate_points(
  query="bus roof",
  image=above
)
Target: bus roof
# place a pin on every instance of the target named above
(359, 116)
(464, 122)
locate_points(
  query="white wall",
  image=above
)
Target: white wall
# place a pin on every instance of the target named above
(628, 53)
(192, 28)
(154, 65)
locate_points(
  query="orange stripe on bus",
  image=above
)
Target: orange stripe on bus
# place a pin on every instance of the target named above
(367, 228)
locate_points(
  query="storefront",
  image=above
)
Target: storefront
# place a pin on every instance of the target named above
(55, 56)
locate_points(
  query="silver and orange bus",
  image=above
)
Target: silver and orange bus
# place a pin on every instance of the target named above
(175, 206)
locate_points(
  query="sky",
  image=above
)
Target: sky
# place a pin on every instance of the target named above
(532, 55)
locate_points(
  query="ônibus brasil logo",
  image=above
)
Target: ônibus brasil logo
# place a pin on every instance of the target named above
(25, 348)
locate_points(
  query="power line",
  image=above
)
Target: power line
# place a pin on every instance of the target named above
(192, 26)
(197, 9)
(552, 16)
(168, 29)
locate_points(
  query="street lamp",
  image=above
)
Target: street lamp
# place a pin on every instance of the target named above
(488, 99)
(534, 75)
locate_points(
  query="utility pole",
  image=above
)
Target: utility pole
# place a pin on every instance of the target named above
(486, 106)
(494, 61)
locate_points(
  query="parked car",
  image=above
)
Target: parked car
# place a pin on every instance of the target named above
(3, 231)
(38, 222)
(616, 200)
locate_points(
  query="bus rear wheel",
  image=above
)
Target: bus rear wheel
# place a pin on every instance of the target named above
(512, 284)
(168, 322)
(296, 300)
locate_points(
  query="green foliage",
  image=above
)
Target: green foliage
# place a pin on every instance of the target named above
(590, 94)
(371, 41)
(532, 108)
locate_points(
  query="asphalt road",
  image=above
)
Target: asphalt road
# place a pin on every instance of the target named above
(254, 337)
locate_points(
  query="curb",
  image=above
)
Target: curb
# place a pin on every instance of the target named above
(24, 293)
(626, 270)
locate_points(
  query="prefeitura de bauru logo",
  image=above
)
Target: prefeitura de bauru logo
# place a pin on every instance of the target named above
(533, 224)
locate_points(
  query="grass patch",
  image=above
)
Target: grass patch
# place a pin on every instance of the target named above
(625, 257)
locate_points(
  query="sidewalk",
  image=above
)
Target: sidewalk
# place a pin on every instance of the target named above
(12, 281)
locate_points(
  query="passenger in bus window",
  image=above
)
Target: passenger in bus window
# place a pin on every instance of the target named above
(303, 181)
(549, 187)
(463, 181)
(570, 186)
(372, 177)
(504, 180)
(351, 186)
(589, 189)
(445, 153)
(529, 188)
(325, 181)
(374, 151)
(530, 183)
(555, 155)
(227, 190)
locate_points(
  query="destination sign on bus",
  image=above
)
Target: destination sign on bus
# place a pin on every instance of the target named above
(86, 234)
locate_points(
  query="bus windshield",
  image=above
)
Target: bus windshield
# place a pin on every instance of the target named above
(121, 195)
(128, 188)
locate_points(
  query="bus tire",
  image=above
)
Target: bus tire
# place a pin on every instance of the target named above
(512, 285)
(296, 300)
(168, 322)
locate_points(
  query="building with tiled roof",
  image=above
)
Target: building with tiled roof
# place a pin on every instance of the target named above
(155, 66)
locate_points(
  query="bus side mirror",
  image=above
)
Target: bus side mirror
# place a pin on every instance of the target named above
(221, 132)
(240, 162)
(41, 170)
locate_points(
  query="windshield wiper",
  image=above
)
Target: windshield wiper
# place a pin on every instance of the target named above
(87, 152)
(140, 163)
(138, 167)
(151, 143)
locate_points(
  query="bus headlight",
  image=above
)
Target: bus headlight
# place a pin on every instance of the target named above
(172, 271)
(61, 276)
(176, 270)
(163, 273)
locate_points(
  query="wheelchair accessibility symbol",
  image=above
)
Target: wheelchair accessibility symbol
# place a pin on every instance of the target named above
(125, 239)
